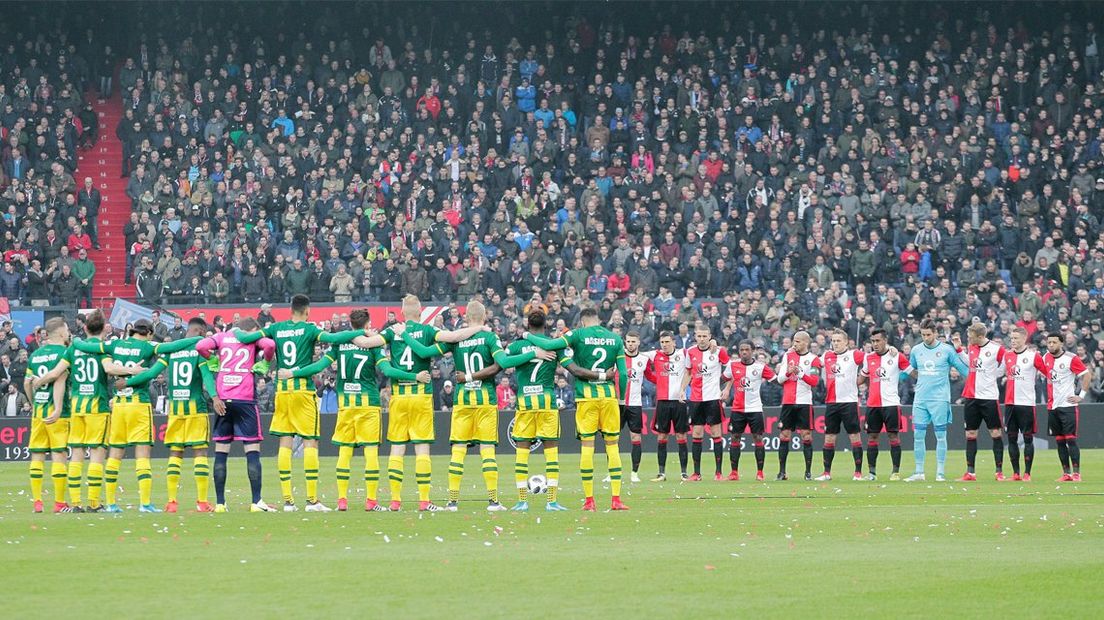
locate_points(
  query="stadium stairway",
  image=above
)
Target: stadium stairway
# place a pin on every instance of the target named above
(103, 163)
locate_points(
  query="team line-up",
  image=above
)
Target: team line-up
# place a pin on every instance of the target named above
(91, 398)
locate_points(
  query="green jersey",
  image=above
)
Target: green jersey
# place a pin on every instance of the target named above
(40, 363)
(594, 348)
(471, 356)
(357, 374)
(185, 382)
(406, 359)
(131, 352)
(89, 388)
(536, 380)
(294, 349)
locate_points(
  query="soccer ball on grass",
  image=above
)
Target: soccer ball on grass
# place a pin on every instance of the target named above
(537, 484)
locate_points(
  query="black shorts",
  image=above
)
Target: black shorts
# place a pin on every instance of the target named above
(1020, 419)
(796, 417)
(846, 414)
(1062, 422)
(878, 418)
(670, 416)
(633, 417)
(704, 412)
(242, 422)
(740, 420)
(976, 411)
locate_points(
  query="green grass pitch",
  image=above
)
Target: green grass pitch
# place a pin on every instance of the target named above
(844, 549)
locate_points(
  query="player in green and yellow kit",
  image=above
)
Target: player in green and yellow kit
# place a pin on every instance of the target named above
(475, 406)
(358, 407)
(594, 348)
(188, 426)
(131, 412)
(49, 417)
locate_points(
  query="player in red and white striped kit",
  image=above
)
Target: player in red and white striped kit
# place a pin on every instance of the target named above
(1063, 396)
(798, 373)
(632, 414)
(981, 394)
(744, 377)
(841, 376)
(882, 371)
(666, 370)
(1022, 366)
(704, 363)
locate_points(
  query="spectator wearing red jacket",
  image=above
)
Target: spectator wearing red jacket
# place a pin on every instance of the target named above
(78, 240)
(910, 259)
(431, 102)
(618, 283)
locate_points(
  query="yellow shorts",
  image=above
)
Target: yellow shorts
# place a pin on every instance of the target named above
(598, 415)
(188, 431)
(131, 425)
(475, 424)
(296, 414)
(49, 437)
(89, 430)
(410, 419)
(532, 424)
(357, 426)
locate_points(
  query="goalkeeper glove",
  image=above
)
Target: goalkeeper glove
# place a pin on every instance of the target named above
(260, 367)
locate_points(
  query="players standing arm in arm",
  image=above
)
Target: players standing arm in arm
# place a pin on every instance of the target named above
(164, 348)
(424, 351)
(50, 377)
(393, 372)
(59, 397)
(143, 377)
(549, 344)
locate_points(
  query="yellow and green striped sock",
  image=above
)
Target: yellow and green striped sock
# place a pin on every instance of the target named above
(521, 473)
(344, 460)
(95, 483)
(310, 468)
(395, 476)
(145, 480)
(283, 463)
(111, 480)
(371, 472)
(613, 453)
(586, 469)
(490, 471)
(552, 472)
(172, 476)
(423, 469)
(202, 470)
(76, 473)
(59, 473)
(456, 471)
(38, 468)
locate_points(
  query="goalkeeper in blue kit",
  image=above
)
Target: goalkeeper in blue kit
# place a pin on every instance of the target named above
(931, 362)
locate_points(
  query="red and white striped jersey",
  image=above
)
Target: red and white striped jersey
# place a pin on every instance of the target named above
(841, 376)
(666, 372)
(747, 379)
(635, 366)
(797, 391)
(705, 373)
(986, 366)
(1022, 370)
(883, 373)
(1062, 374)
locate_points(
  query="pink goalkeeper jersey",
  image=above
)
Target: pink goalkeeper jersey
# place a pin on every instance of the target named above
(234, 380)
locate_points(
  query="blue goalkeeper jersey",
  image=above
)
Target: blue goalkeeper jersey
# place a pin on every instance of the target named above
(933, 366)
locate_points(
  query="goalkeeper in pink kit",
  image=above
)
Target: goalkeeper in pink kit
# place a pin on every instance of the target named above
(235, 404)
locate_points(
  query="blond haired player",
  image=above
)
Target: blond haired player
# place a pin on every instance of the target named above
(49, 418)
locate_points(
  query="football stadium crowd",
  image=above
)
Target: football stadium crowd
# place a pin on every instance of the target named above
(762, 169)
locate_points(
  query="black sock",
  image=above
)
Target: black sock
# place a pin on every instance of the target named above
(1064, 455)
(718, 453)
(998, 452)
(697, 455)
(636, 456)
(734, 453)
(829, 455)
(895, 454)
(971, 454)
(253, 467)
(1074, 454)
(1014, 453)
(807, 450)
(219, 474)
(682, 455)
(661, 455)
(856, 453)
(1028, 452)
(760, 455)
(783, 454)
(872, 456)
